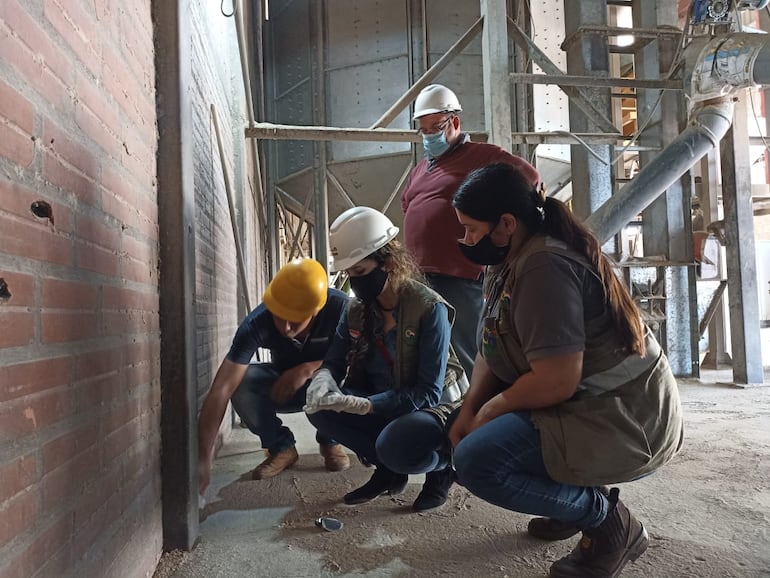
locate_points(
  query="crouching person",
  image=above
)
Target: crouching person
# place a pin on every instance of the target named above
(296, 323)
(401, 377)
(570, 391)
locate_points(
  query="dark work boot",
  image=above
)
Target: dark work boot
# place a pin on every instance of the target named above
(383, 481)
(604, 551)
(552, 529)
(435, 490)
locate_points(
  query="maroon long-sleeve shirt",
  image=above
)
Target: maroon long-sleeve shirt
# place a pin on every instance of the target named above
(431, 228)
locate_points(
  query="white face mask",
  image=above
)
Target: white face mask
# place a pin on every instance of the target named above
(435, 144)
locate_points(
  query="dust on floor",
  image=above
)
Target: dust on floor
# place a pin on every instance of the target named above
(707, 512)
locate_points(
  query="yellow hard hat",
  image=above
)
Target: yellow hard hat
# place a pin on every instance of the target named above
(298, 290)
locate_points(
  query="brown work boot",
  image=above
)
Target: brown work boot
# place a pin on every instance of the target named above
(275, 464)
(335, 458)
(604, 551)
(552, 529)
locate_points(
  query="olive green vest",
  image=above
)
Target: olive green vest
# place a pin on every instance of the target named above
(625, 420)
(415, 301)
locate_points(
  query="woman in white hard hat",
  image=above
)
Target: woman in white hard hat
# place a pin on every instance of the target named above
(392, 349)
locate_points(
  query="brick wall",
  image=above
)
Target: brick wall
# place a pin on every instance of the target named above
(79, 344)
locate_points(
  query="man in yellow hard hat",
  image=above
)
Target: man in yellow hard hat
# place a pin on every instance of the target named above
(296, 323)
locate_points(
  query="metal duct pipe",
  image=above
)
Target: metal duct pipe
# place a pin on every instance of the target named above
(710, 122)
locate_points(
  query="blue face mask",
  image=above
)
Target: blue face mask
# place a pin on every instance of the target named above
(435, 144)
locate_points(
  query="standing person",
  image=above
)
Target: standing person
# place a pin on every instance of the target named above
(570, 390)
(402, 378)
(431, 229)
(296, 323)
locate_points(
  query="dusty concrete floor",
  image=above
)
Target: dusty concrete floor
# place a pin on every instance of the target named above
(708, 512)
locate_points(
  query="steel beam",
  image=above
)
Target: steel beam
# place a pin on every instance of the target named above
(496, 70)
(592, 173)
(320, 191)
(577, 97)
(741, 253)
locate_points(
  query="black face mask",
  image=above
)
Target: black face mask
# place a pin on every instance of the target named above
(485, 252)
(368, 287)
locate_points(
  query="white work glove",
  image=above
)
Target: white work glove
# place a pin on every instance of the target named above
(334, 401)
(321, 384)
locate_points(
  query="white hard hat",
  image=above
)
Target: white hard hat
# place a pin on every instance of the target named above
(435, 98)
(356, 234)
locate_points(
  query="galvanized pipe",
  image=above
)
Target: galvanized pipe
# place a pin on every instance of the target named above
(710, 122)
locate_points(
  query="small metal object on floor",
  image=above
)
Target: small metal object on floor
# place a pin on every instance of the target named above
(329, 524)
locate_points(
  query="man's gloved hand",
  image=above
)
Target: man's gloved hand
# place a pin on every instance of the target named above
(334, 401)
(321, 384)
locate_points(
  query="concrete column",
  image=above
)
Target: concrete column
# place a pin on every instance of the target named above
(497, 79)
(176, 223)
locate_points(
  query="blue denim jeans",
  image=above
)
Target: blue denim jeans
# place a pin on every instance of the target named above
(467, 298)
(502, 463)
(414, 443)
(359, 433)
(259, 413)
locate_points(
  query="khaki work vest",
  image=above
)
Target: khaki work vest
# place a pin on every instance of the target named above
(415, 301)
(625, 421)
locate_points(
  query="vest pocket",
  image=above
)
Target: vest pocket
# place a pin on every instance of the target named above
(593, 441)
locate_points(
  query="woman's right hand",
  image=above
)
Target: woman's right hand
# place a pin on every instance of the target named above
(461, 427)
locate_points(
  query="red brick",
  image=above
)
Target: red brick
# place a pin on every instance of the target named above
(49, 541)
(93, 258)
(64, 448)
(61, 294)
(77, 28)
(27, 378)
(67, 327)
(17, 515)
(120, 440)
(140, 271)
(123, 298)
(98, 363)
(16, 109)
(60, 174)
(98, 132)
(17, 200)
(21, 287)
(17, 475)
(96, 393)
(69, 480)
(120, 415)
(23, 417)
(16, 146)
(70, 154)
(18, 328)
(99, 233)
(32, 52)
(34, 241)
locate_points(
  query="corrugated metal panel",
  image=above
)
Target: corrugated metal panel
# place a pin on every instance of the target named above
(447, 22)
(368, 69)
(292, 97)
(551, 106)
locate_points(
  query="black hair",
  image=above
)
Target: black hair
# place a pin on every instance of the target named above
(488, 193)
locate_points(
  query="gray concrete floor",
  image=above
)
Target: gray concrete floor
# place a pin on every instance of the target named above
(707, 512)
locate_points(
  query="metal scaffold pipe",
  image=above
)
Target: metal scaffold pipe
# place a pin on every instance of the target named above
(710, 122)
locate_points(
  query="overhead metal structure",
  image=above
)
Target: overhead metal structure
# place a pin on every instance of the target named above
(356, 59)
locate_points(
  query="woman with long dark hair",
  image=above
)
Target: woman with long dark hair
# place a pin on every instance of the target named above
(390, 378)
(570, 391)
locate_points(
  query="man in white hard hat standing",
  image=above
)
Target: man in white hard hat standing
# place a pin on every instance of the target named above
(431, 228)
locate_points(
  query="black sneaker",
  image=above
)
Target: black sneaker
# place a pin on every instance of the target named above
(435, 490)
(383, 481)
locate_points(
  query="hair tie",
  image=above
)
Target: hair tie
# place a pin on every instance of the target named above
(542, 195)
